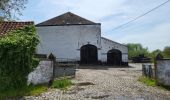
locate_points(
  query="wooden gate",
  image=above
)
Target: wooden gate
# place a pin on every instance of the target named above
(114, 57)
(89, 54)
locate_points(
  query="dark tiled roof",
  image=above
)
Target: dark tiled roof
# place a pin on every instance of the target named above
(9, 26)
(66, 19)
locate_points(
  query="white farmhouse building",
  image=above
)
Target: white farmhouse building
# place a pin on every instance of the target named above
(73, 37)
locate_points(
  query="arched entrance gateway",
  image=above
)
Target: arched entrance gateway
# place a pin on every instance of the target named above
(114, 57)
(88, 54)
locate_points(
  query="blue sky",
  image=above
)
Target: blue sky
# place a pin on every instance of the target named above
(152, 30)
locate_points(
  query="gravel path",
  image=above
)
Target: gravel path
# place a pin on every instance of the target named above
(106, 83)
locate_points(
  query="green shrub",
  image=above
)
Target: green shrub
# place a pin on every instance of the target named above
(17, 57)
(61, 83)
(136, 49)
(35, 62)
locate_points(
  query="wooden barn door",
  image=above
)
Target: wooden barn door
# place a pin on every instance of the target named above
(89, 54)
(114, 57)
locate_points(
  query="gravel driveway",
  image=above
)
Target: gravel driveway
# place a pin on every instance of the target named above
(106, 83)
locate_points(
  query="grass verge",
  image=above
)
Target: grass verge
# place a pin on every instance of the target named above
(26, 91)
(152, 82)
(147, 81)
(16, 94)
(63, 83)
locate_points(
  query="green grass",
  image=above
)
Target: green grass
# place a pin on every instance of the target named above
(152, 82)
(26, 91)
(61, 83)
(147, 81)
(34, 90)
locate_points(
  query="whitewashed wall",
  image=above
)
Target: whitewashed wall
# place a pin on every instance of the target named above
(107, 45)
(66, 41)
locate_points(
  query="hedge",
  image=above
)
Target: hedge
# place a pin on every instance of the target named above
(17, 50)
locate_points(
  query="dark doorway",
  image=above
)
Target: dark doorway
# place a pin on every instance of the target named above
(88, 54)
(114, 57)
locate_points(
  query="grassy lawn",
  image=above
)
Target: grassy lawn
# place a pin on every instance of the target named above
(152, 82)
(63, 83)
(30, 90)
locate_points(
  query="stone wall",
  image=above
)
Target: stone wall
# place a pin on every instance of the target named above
(65, 71)
(148, 70)
(163, 72)
(42, 74)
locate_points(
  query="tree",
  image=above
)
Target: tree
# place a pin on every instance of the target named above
(166, 52)
(136, 50)
(155, 53)
(10, 8)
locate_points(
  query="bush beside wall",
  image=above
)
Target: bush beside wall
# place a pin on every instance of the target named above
(17, 57)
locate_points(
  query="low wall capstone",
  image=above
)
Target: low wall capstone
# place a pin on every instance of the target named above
(42, 74)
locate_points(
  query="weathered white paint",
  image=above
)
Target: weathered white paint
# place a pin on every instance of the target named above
(163, 72)
(66, 41)
(42, 74)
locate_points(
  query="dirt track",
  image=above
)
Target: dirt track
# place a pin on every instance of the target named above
(107, 83)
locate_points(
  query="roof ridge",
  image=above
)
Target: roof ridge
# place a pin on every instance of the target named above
(67, 18)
